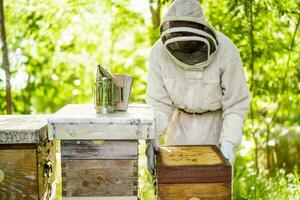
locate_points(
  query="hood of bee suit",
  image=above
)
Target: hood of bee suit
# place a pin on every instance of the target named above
(189, 39)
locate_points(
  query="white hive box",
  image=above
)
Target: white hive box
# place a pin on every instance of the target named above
(100, 151)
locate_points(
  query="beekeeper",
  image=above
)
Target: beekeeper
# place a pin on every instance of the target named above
(196, 83)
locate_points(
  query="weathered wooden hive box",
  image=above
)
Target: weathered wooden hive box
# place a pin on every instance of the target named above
(99, 152)
(193, 173)
(27, 158)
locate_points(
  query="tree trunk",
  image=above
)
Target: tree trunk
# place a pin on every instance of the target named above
(252, 69)
(5, 61)
(155, 8)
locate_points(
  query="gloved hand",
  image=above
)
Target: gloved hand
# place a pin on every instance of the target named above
(227, 149)
(151, 149)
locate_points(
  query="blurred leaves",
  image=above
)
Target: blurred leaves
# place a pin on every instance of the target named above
(55, 47)
(52, 44)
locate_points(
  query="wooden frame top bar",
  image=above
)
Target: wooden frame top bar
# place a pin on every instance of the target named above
(198, 155)
(192, 164)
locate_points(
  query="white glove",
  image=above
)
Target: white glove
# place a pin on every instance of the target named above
(227, 149)
(151, 149)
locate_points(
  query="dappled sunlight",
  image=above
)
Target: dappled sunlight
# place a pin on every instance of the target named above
(54, 48)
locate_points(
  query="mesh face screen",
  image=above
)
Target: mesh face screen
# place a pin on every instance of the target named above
(174, 24)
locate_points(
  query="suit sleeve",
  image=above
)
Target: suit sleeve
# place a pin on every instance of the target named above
(235, 100)
(157, 95)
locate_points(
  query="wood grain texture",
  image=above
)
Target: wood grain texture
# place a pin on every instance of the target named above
(192, 164)
(102, 198)
(20, 174)
(189, 156)
(207, 174)
(88, 178)
(88, 150)
(202, 191)
(18, 146)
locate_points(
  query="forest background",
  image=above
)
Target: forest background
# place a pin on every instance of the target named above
(54, 47)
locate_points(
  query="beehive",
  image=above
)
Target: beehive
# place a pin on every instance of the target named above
(27, 158)
(99, 152)
(193, 173)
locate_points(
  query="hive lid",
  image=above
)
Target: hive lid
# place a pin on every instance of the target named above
(192, 164)
(80, 121)
(23, 129)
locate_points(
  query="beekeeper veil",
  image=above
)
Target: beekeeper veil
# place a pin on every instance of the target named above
(187, 36)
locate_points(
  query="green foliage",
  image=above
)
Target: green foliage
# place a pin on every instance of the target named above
(146, 180)
(55, 47)
(249, 185)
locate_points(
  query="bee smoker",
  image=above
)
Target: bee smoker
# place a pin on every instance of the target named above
(111, 92)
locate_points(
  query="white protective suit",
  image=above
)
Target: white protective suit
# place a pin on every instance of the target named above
(206, 104)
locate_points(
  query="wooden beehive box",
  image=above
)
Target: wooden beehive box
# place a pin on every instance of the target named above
(193, 173)
(27, 158)
(99, 152)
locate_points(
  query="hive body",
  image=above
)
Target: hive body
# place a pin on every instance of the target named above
(27, 158)
(99, 152)
(193, 172)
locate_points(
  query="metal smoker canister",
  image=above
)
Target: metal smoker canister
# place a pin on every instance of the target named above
(104, 89)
